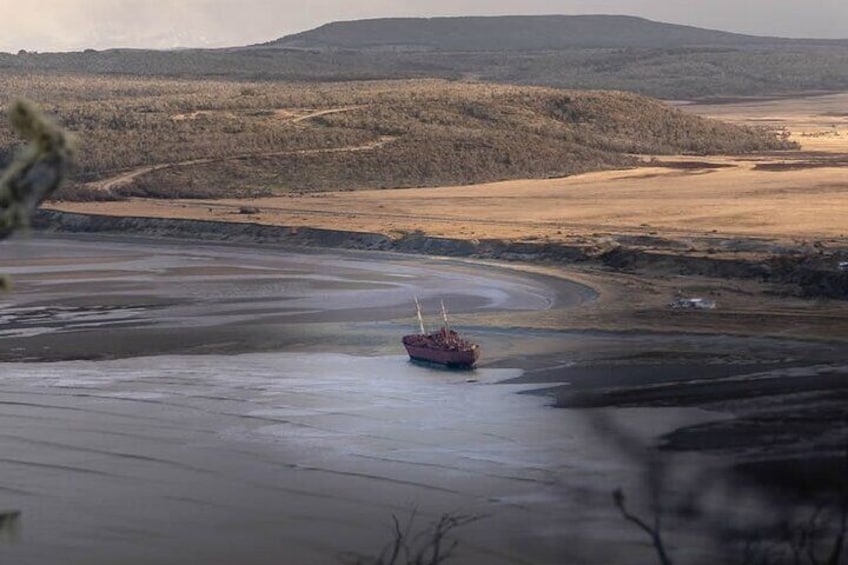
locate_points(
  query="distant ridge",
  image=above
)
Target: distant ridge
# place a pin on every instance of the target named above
(591, 52)
(510, 33)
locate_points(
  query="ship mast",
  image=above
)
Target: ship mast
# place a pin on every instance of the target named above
(445, 317)
(420, 319)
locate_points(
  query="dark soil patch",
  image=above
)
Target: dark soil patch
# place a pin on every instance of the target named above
(689, 165)
(796, 165)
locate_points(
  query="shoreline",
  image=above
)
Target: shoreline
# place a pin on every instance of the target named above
(623, 368)
(635, 280)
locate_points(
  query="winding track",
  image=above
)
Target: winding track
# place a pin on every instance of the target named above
(125, 177)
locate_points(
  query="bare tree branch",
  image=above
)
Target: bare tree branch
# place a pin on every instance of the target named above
(653, 532)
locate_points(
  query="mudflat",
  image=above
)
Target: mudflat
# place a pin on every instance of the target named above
(263, 393)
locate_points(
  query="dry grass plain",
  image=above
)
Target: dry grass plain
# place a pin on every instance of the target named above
(798, 198)
(733, 201)
(732, 196)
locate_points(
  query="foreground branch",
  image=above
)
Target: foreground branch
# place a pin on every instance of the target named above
(9, 524)
(36, 172)
(431, 546)
(653, 531)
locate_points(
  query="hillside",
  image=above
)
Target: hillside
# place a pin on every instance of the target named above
(579, 52)
(221, 138)
(511, 33)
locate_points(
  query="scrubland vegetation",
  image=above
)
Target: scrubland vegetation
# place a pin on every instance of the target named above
(590, 52)
(206, 138)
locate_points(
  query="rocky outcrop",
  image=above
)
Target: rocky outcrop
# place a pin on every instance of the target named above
(54, 221)
(814, 275)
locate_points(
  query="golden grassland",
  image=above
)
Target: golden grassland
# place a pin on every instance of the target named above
(738, 201)
(733, 196)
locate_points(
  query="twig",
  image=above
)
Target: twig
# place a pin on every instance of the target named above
(654, 532)
(427, 547)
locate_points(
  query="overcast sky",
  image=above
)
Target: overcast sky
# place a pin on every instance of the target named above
(62, 25)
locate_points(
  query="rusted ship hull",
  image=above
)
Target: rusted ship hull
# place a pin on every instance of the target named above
(442, 347)
(454, 359)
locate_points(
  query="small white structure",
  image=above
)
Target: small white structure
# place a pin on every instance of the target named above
(842, 265)
(693, 304)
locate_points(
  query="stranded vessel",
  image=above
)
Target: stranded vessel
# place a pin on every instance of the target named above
(442, 347)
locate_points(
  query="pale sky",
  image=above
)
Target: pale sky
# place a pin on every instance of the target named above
(71, 25)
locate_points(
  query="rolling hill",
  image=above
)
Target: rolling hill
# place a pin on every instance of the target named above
(511, 33)
(191, 138)
(581, 52)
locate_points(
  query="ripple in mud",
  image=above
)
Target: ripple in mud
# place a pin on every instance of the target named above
(37, 320)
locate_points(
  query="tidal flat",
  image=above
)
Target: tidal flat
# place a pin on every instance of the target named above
(168, 401)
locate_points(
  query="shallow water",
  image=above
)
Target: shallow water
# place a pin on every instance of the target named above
(291, 458)
(86, 298)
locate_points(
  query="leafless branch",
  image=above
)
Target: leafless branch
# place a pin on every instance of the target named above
(653, 531)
